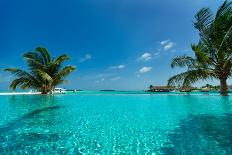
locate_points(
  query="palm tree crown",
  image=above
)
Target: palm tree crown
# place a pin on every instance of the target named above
(213, 54)
(45, 72)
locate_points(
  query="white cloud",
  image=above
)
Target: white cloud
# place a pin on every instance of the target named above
(145, 70)
(145, 57)
(101, 80)
(164, 42)
(116, 78)
(121, 66)
(86, 57)
(167, 44)
(117, 67)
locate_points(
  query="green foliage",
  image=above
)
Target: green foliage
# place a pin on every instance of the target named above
(213, 53)
(44, 73)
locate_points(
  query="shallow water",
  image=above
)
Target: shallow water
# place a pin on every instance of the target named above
(123, 123)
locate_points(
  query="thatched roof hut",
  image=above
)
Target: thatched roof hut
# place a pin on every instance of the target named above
(160, 89)
(186, 89)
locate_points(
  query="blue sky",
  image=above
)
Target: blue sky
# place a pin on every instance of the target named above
(115, 44)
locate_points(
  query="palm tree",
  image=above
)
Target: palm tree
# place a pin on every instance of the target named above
(45, 72)
(213, 54)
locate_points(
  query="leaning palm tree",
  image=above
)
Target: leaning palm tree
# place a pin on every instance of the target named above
(213, 54)
(45, 72)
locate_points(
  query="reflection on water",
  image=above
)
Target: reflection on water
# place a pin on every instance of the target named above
(201, 134)
(19, 121)
(76, 124)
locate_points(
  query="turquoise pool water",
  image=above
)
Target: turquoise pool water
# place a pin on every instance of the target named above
(123, 123)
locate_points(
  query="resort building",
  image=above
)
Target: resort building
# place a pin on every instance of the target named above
(186, 89)
(160, 89)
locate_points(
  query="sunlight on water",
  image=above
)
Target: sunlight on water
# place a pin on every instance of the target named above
(115, 124)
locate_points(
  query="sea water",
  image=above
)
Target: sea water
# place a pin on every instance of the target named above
(116, 123)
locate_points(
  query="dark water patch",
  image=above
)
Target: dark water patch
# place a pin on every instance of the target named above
(16, 123)
(14, 135)
(201, 134)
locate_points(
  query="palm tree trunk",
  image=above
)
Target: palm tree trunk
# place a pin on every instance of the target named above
(224, 88)
(44, 93)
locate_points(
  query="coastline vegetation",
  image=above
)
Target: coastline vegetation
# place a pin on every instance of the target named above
(45, 72)
(205, 88)
(213, 54)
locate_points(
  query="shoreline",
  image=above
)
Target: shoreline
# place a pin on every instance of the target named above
(20, 93)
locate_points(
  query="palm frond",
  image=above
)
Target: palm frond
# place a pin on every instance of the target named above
(61, 59)
(227, 36)
(182, 61)
(17, 82)
(19, 72)
(196, 75)
(213, 53)
(64, 72)
(33, 56)
(44, 76)
(58, 78)
(44, 73)
(189, 77)
(23, 79)
(204, 19)
(201, 56)
(34, 60)
(45, 54)
(177, 79)
(224, 8)
(221, 28)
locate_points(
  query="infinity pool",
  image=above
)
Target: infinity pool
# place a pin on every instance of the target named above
(116, 124)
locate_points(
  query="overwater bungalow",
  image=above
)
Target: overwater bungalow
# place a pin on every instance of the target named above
(205, 89)
(186, 89)
(160, 89)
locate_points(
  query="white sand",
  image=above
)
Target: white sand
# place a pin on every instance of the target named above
(20, 93)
